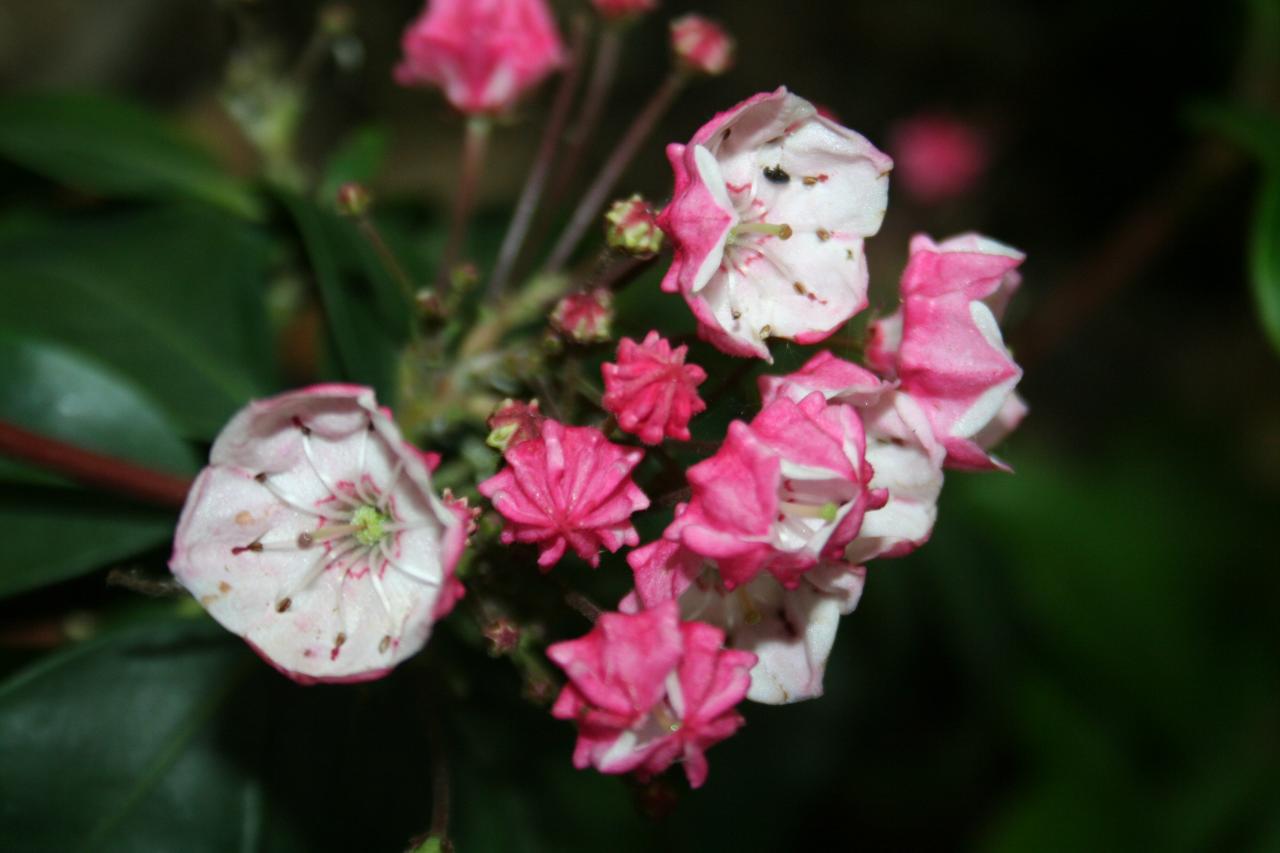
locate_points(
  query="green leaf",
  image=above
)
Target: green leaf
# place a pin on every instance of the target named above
(171, 297)
(1254, 130)
(1265, 259)
(351, 296)
(53, 533)
(109, 746)
(58, 393)
(114, 148)
(359, 159)
(56, 531)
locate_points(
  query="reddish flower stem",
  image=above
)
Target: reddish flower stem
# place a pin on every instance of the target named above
(603, 70)
(536, 182)
(94, 469)
(474, 146)
(589, 208)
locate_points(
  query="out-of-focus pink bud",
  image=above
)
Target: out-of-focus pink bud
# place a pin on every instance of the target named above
(613, 10)
(483, 53)
(585, 317)
(937, 157)
(701, 45)
(512, 422)
(631, 226)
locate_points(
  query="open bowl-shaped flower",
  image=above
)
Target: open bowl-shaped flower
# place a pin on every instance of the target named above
(315, 534)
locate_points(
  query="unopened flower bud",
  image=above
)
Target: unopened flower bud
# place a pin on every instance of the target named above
(337, 18)
(503, 636)
(631, 226)
(512, 422)
(585, 317)
(354, 200)
(701, 45)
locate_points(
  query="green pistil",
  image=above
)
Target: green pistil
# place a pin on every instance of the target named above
(370, 525)
(829, 511)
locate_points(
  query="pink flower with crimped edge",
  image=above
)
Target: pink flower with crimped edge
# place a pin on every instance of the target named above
(651, 391)
(484, 54)
(901, 450)
(781, 493)
(950, 356)
(791, 632)
(646, 691)
(570, 487)
(315, 535)
(771, 207)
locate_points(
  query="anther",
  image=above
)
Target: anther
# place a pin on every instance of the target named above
(385, 644)
(305, 540)
(284, 604)
(297, 421)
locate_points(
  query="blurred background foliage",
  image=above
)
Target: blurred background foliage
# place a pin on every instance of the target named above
(1084, 657)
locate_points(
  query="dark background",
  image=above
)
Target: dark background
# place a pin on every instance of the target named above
(1084, 657)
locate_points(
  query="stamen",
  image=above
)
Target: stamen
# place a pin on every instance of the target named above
(318, 567)
(315, 469)
(391, 484)
(279, 495)
(781, 231)
(334, 531)
(360, 486)
(382, 596)
(826, 512)
(396, 564)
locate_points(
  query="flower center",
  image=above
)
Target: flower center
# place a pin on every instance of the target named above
(370, 525)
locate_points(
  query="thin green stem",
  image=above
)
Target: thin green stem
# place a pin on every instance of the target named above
(603, 71)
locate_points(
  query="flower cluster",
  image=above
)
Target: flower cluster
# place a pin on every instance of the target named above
(317, 534)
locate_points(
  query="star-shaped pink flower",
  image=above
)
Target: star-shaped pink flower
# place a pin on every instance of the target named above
(651, 391)
(568, 487)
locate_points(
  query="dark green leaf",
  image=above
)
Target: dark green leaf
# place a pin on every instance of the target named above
(1265, 258)
(53, 533)
(59, 393)
(171, 298)
(365, 345)
(114, 148)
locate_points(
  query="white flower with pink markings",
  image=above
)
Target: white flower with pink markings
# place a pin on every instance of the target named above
(315, 535)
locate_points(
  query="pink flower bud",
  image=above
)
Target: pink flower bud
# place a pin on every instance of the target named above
(315, 534)
(613, 10)
(569, 487)
(585, 317)
(512, 422)
(484, 54)
(771, 206)
(646, 691)
(701, 45)
(651, 391)
(354, 199)
(937, 157)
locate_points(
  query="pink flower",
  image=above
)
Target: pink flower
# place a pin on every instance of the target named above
(938, 157)
(484, 54)
(613, 10)
(901, 450)
(646, 691)
(315, 534)
(585, 317)
(514, 421)
(651, 391)
(780, 494)
(946, 346)
(791, 632)
(570, 487)
(768, 216)
(701, 45)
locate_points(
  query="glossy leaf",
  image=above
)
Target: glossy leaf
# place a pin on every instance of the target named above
(113, 148)
(59, 393)
(169, 297)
